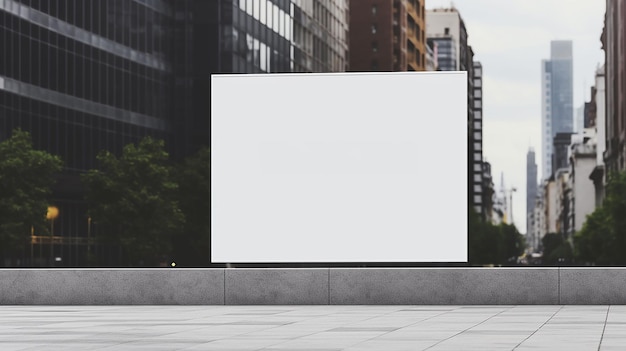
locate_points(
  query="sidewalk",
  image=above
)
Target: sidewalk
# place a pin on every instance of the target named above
(313, 328)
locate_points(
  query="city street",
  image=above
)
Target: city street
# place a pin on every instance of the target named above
(319, 328)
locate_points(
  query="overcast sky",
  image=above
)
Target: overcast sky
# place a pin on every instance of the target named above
(510, 38)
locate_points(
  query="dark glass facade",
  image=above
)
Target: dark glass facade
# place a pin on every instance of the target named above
(278, 36)
(83, 76)
(89, 75)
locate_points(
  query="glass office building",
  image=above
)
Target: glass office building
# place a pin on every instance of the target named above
(269, 36)
(84, 76)
(557, 99)
(89, 75)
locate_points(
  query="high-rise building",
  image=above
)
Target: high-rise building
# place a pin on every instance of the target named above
(557, 99)
(531, 186)
(446, 28)
(86, 76)
(614, 45)
(476, 137)
(446, 32)
(269, 36)
(387, 35)
(84, 83)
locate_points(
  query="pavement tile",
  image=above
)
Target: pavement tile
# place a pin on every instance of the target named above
(312, 328)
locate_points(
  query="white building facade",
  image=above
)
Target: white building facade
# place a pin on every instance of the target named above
(582, 162)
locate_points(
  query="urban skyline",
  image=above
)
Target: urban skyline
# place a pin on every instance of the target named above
(510, 40)
(284, 36)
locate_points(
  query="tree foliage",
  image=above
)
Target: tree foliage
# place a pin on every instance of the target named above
(556, 250)
(133, 201)
(26, 179)
(602, 240)
(192, 246)
(493, 244)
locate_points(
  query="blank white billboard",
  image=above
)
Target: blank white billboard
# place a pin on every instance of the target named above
(339, 167)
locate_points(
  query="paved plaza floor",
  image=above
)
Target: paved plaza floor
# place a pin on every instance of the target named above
(312, 328)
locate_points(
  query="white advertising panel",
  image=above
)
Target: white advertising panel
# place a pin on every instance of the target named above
(339, 167)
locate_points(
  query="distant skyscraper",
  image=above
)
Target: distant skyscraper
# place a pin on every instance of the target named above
(531, 187)
(557, 98)
(446, 32)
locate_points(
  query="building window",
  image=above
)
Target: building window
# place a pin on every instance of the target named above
(374, 9)
(373, 29)
(374, 47)
(374, 65)
(446, 31)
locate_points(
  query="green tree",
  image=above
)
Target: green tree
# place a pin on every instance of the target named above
(615, 207)
(595, 242)
(556, 250)
(192, 246)
(493, 244)
(132, 200)
(26, 178)
(514, 242)
(602, 240)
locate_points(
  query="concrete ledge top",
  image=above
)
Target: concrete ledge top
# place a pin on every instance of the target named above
(314, 286)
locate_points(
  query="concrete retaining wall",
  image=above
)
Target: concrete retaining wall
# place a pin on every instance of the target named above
(314, 286)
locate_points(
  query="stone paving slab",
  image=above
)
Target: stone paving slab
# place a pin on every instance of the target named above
(313, 328)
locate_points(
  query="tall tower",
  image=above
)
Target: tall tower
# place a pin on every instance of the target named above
(556, 99)
(446, 31)
(531, 186)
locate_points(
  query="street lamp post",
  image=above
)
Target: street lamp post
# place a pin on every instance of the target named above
(88, 239)
(53, 213)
